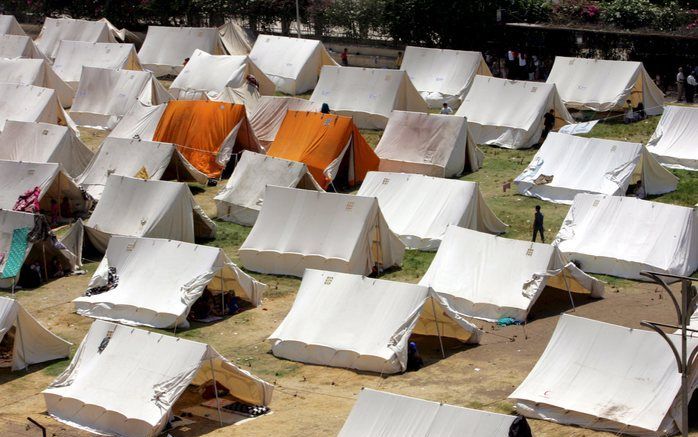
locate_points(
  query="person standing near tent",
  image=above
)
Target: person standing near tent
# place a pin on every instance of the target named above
(538, 224)
(398, 60)
(680, 78)
(691, 85)
(446, 110)
(548, 124)
(325, 109)
(345, 57)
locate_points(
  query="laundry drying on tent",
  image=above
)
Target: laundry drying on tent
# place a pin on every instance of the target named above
(330, 145)
(567, 165)
(509, 113)
(509, 283)
(198, 283)
(56, 30)
(345, 320)
(24, 341)
(269, 112)
(207, 77)
(19, 46)
(234, 39)
(382, 414)
(10, 26)
(44, 143)
(368, 95)
(165, 49)
(243, 196)
(299, 229)
(32, 103)
(293, 64)
(71, 56)
(622, 236)
(606, 377)
(674, 142)
(430, 144)
(603, 85)
(104, 96)
(442, 75)
(36, 72)
(128, 381)
(140, 159)
(419, 208)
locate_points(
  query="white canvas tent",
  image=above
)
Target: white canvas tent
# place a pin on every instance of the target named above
(31, 103)
(104, 96)
(567, 165)
(10, 26)
(508, 113)
(606, 377)
(43, 142)
(293, 64)
(207, 76)
(269, 113)
(71, 56)
(623, 236)
(156, 209)
(234, 38)
(182, 271)
(165, 48)
(602, 85)
(299, 229)
(443, 75)
(140, 122)
(36, 72)
(345, 320)
(368, 95)
(382, 414)
(489, 277)
(125, 381)
(32, 343)
(19, 46)
(419, 208)
(243, 196)
(430, 144)
(674, 143)
(136, 158)
(56, 30)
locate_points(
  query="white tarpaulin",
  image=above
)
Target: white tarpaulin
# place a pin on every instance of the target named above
(104, 96)
(578, 128)
(36, 72)
(156, 209)
(10, 26)
(269, 113)
(368, 95)
(182, 271)
(31, 103)
(136, 158)
(490, 277)
(442, 75)
(242, 198)
(509, 113)
(140, 122)
(623, 236)
(207, 76)
(56, 30)
(293, 64)
(234, 39)
(383, 414)
(606, 377)
(71, 56)
(125, 381)
(675, 141)
(299, 229)
(43, 142)
(19, 46)
(567, 165)
(601, 85)
(419, 208)
(165, 48)
(16, 178)
(430, 144)
(345, 320)
(32, 342)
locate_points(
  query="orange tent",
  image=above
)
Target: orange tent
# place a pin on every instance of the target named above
(320, 140)
(200, 129)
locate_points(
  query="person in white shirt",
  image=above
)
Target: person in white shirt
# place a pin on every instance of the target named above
(446, 110)
(690, 88)
(680, 79)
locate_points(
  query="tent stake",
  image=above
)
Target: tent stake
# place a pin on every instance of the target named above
(215, 390)
(438, 330)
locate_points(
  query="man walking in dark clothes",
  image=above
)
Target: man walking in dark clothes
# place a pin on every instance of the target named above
(548, 124)
(538, 224)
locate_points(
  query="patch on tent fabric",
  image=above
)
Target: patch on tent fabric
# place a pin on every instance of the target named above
(328, 280)
(15, 256)
(44, 132)
(534, 89)
(529, 252)
(350, 206)
(386, 181)
(596, 203)
(142, 174)
(543, 179)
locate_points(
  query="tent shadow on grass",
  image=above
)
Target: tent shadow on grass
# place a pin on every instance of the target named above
(553, 302)
(7, 375)
(430, 350)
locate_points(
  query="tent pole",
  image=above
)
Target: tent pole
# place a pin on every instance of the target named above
(569, 292)
(438, 330)
(215, 390)
(18, 333)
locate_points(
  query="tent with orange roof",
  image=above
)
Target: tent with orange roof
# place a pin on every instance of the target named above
(330, 145)
(207, 133)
